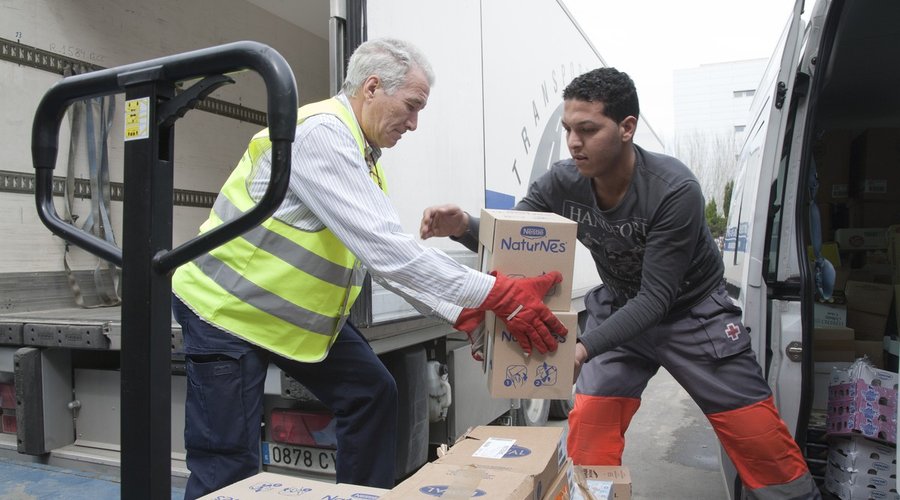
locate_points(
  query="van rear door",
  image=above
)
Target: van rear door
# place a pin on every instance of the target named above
(749, 239)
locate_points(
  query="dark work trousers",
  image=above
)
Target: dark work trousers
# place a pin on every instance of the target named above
(223, 412)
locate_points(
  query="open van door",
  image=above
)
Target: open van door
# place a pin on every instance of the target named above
(753, 209)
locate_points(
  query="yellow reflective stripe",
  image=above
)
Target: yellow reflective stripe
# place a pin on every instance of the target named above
(276, 277)
(316, 259)
(251, 323)
(277, 305)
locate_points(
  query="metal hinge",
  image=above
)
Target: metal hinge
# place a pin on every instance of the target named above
(780, 95)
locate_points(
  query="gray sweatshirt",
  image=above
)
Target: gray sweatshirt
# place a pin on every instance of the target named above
(653, 250)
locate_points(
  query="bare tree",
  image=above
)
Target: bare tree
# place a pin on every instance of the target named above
(713, 159)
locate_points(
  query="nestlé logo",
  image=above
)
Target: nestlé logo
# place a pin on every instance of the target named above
(533, 231)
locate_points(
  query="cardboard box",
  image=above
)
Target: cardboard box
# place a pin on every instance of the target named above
(862, 400)
(619, 476)
(860, 468)
(511, 374)
(822, 381)
(873, 350)
(873, 298)
(868, 306)
(833, 343)
(893, 237)
(832, 154)
(876, 153)
(897, 306)
(867, 326)
(872, 213)
(462, 481)
(538, 452)
(522, 244)
(829, 315)
(870, 238)
(561, 488)
(269, 486)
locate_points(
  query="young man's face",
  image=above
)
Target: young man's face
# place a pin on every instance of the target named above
(596, 142)
(386, 117)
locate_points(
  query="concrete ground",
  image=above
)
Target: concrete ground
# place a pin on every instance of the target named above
(670, 448)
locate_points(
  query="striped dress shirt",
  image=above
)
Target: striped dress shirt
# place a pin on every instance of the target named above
(330, 186)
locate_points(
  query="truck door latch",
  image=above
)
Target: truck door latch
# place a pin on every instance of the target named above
(794, 351)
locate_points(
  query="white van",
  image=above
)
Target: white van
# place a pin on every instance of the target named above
(828, 107)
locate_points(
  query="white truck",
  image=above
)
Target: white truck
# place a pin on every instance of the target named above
(492, 125)
(826, 109)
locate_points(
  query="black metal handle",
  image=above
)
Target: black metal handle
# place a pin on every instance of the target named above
(282, 119)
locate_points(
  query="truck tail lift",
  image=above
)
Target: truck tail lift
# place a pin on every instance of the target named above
(146, 258)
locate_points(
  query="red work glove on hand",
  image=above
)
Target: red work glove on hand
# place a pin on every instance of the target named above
(519, 303)
(471, 321)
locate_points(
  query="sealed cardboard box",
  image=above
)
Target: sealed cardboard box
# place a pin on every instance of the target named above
(873, 350)
(269, 486)
(511, 374)
(829, 315)
(893, 237)
(539, 452)
(873, 298)
(436, 480)
(833, 343)
(868, 305)
(870, 238)
(618, 477)
(833, 160)
(860, 468)
(862, 401)
(877, 151)
(822, 381)
(522, 244)
(868, 326)
(561, 488)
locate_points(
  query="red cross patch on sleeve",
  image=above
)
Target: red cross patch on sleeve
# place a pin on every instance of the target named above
(732, 331)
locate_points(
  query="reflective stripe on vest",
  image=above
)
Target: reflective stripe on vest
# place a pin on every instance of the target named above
(276, 286)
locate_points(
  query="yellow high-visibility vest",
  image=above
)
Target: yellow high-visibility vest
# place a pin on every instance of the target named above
(276, 286)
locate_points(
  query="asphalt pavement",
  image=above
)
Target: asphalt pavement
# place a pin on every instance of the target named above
(670, 448)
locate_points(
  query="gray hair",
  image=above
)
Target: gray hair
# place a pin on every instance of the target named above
(389, 59)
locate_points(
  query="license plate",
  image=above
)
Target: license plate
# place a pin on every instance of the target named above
(299, 457)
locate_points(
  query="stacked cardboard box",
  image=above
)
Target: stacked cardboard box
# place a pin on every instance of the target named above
(859, 468)
(269, 486)
(523, 244)
(600, 478)
(868, 307)
(462, 481)
(862, 401)
(537, 452)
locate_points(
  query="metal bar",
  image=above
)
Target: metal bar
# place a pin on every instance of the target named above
(23, 183)
(146, 302)
(34, 57)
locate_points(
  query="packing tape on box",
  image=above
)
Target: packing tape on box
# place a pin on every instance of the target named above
(464, 484)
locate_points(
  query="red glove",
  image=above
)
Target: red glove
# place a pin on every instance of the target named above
(471, 321)
(519, 303)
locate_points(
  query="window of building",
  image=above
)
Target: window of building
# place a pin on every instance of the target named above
(744, 93)
(739, 128)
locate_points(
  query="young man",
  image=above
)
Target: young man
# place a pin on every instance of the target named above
(662, 302)
(282, 292)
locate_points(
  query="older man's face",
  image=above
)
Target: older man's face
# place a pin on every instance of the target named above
(386, 117)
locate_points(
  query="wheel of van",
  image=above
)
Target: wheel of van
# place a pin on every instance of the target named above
(533, 413)
(560, 408)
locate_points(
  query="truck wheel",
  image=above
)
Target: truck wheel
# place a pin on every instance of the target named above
(560, 408)
(533, 413)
